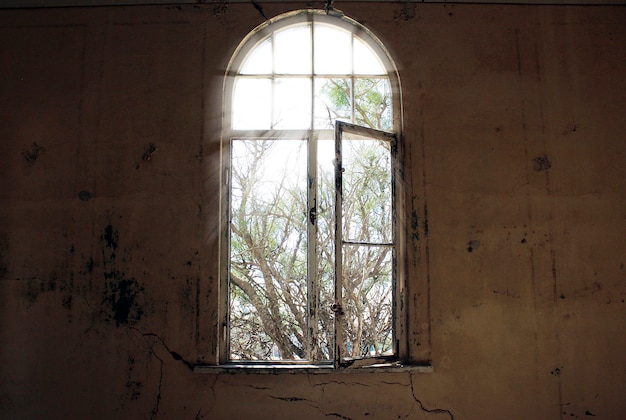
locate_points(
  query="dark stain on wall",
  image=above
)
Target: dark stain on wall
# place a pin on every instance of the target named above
(473, 245)
(110, 237)
(220, 8)
(33, 288)
(133, 386)
(122, 295)
(405, 13)
(32, 155)
(67, 302)
(84, 195)
(148, 152)
(4, 248)
(570, 128)
(415, 226)
(541, 163)
(425, 220)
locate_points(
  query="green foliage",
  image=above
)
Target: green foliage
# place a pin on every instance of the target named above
(367, 103)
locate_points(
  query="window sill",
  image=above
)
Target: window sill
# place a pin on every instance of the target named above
(236, 369)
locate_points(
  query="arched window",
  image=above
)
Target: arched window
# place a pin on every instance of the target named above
(310, 251)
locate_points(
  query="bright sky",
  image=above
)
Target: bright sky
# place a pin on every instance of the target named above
(336, 53)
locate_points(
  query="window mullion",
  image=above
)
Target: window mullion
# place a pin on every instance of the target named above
(273, 83)
(338, 275)
(312, 277)
(313, 292)
(352, 81)
(312, 119)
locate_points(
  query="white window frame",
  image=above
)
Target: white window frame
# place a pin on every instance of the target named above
(400, 313)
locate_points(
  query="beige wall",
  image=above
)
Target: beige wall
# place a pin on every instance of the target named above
(515, 147)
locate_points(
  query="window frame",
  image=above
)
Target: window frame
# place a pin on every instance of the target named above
(253, 39)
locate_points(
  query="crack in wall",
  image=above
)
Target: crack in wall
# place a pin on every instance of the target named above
(157, 402)
(176, 356)
(212, 388)
(309, 402)
(340, 383)
(421, 405)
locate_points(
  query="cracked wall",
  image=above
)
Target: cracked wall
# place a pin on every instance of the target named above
(109, 182)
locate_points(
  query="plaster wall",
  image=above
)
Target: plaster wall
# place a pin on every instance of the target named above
(516, 214)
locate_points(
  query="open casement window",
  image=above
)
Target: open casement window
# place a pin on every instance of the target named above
(310, 262)
(365, 251)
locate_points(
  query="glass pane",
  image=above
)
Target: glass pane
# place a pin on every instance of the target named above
(372, 103)
(367, 201)
(367, 301)
(333, 100)
(365, 61)
(250, 103)
(260, 59)
(323, 348)
(292, 50)
(332, 50)
(268, 257)
(292, 103)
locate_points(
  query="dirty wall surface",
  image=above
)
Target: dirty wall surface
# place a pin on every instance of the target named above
(516, 214)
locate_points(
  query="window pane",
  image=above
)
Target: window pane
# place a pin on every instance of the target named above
(292, 103)
(332, 50)
(372, 103)
(268, 257)
(250, 103)
(292, 50)
(323, 348)
(333, 101)
(367, 301)
(365, 61)
(367, 201)
(260, 59)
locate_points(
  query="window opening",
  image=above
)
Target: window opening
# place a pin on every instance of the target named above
(311, 158)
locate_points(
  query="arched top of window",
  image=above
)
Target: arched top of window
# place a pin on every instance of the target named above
(303, 70)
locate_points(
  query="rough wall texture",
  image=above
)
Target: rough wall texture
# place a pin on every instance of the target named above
(109, 178)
